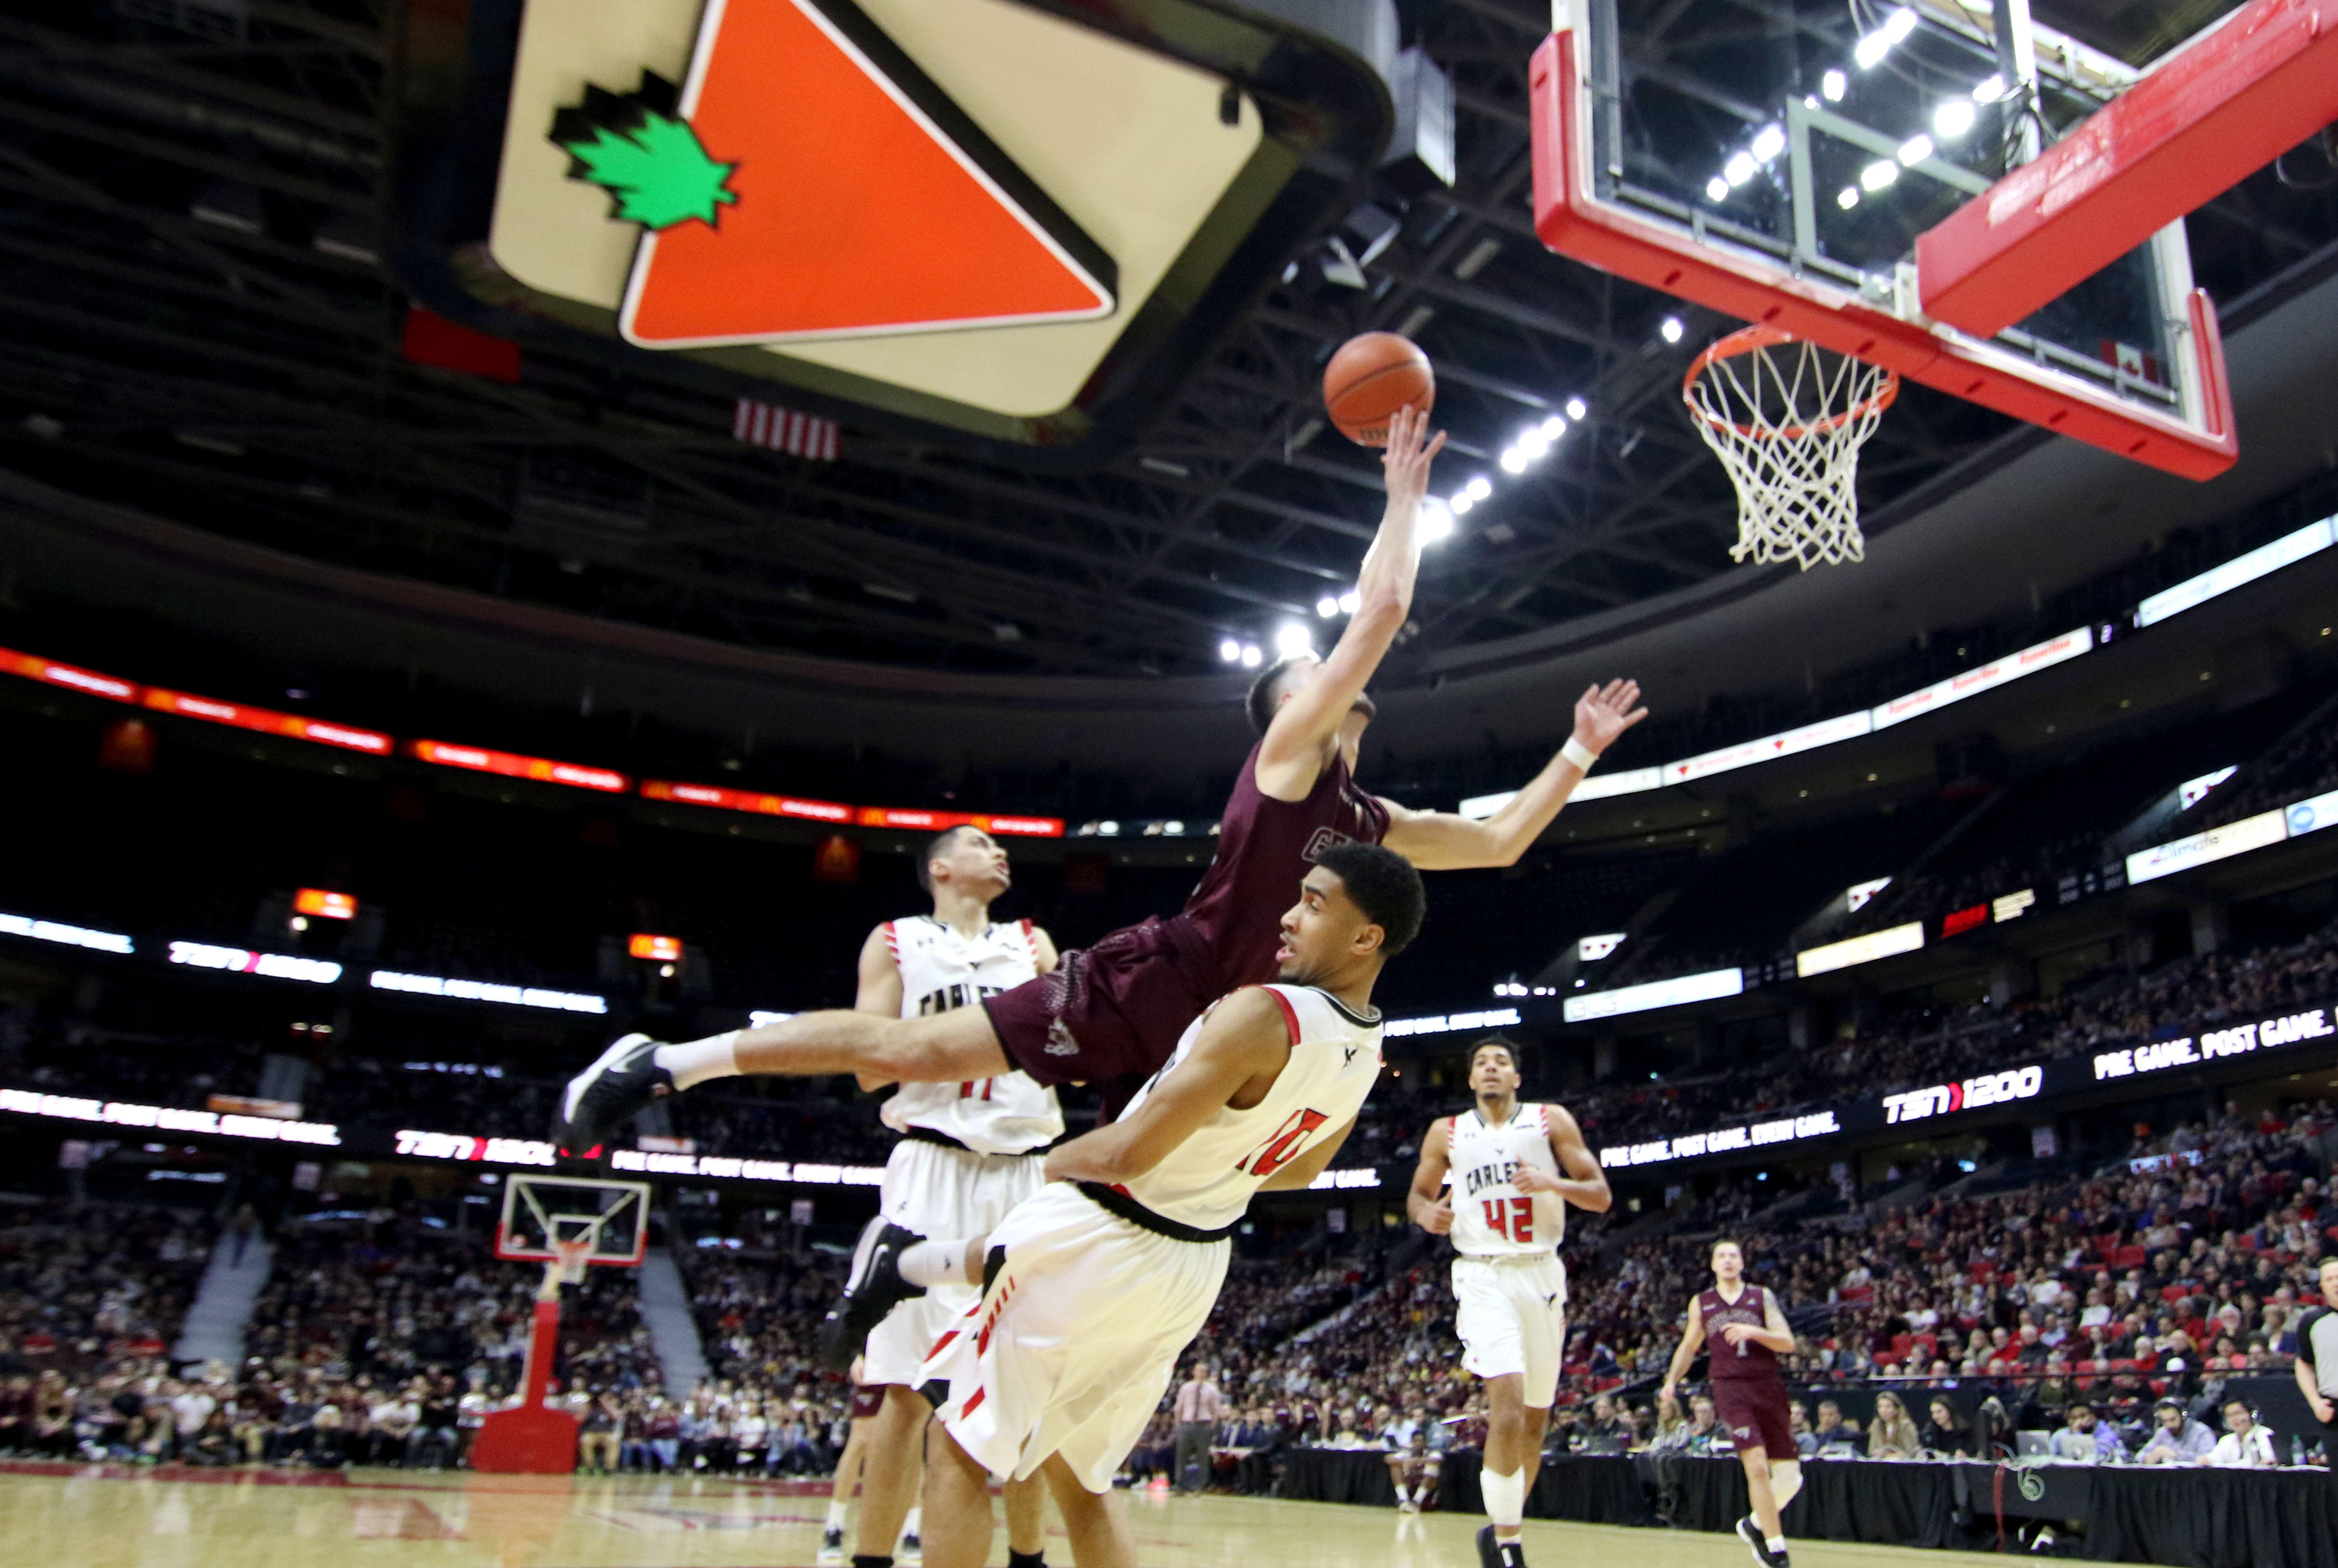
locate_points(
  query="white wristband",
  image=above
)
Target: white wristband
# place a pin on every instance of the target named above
(1576, 752)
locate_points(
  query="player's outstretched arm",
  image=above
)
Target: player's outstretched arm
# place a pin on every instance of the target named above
(1585, 1184)
(1300, 738)
(1692, 1341)
(1243, 1044)
(1442, 841)
(1302, 1169)
(1427, 1202)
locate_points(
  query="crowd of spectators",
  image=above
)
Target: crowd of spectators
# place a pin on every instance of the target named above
(83, 1284)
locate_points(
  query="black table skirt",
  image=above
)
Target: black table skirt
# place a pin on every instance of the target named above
(2180, 1517)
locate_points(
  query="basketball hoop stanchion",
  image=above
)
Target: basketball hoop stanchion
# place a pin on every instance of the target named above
(1787, 419)
(530, 1437)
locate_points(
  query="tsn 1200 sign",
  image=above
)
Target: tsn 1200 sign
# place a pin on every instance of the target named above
(1969, 1094)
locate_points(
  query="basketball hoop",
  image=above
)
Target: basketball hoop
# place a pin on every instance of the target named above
(1787, 418)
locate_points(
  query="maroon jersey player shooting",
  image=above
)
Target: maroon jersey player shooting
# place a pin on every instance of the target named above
(1747, 1333)
(1111, 1015)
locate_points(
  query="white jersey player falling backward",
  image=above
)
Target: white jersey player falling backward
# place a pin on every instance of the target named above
(968, 1155)
(1512, 1170)
(1093, 1287)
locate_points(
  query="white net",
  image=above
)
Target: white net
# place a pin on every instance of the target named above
(1788, 418)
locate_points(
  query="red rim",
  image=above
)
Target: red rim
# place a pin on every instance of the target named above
(1749, 339)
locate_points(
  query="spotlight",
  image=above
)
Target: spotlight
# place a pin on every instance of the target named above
(1513, 460)
(1953, 118)
(1768, 143)
(1915, 150)
(1553, 427)
(1461, 502)
(1480, 487)
(1291, 640)
(1436, 521)
(1577, 409)
(1672, 329)
(1879, 174)
(1739, 169)
(1327, 607)
(1717, 189)
(1834, 83)
(1847, 198)
(1250, 657)
(1229, 651)
(1989, 89)
(1349, 600)
(1871, 51)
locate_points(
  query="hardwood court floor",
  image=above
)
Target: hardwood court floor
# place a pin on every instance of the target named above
(112, 1517)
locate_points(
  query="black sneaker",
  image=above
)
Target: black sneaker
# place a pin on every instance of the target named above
(1489, 1556)
(1749, 1531)
(872, 1288)
(599, 1100)
(831, 1548)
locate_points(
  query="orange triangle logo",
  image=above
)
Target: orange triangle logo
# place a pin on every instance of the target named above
(858, 201)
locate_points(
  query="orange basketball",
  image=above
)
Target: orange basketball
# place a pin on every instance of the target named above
(1372, 376)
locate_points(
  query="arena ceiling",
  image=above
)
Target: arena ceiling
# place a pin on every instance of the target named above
(193, 319)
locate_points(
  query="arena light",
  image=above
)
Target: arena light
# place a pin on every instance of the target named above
(1717, 189)
(1678, 991)
(1252, 658)
(323, 905)
(1739, 169)
(1855, 950)
(1834, 84)
(746, 800)
(485, 991)
(1293, 641)
(510, 765)
(1437, 519)
(65, 936)
(1327, 606)
(1879, 174)
(1576, 408)
(242, 961)
(1769, 142)
(1480, 487)
(1673, 329)
(168, 1119)
(267, 722)
(1988, 89)
(1953, 118)
(1349, 601)
(1847, 198)
(1229, 651)
(1915, 150)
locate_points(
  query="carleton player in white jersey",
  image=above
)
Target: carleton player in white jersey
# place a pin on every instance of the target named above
(1094, 1288)
(1513, 1169)
(968, 1155)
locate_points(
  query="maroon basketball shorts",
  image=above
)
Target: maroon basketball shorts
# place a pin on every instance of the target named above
(1754, 1410)
(1109, 1015)
(867, 1399)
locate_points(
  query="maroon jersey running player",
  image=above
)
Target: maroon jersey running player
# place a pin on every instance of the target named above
(1112, 1014)
(1747, 1333)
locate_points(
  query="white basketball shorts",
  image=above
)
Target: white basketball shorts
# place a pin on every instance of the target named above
(1076, 1339)
(944, 1194)
(1513, 1318)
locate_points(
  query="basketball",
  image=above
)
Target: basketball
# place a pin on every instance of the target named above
(1372, 376)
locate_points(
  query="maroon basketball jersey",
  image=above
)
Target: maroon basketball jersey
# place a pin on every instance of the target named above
(1264, 847)
(1745, 1359)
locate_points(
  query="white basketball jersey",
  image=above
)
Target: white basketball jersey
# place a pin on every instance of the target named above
(1491, 1218)
(1207, 1181)
(941, 970)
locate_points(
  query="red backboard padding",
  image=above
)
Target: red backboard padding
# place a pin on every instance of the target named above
(2209, 116)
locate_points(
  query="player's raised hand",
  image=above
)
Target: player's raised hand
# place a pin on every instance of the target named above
(1410, 449)
(1604, 713)
(1437, 1221)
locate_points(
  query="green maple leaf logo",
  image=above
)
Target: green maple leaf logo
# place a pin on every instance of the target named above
(656, 170)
